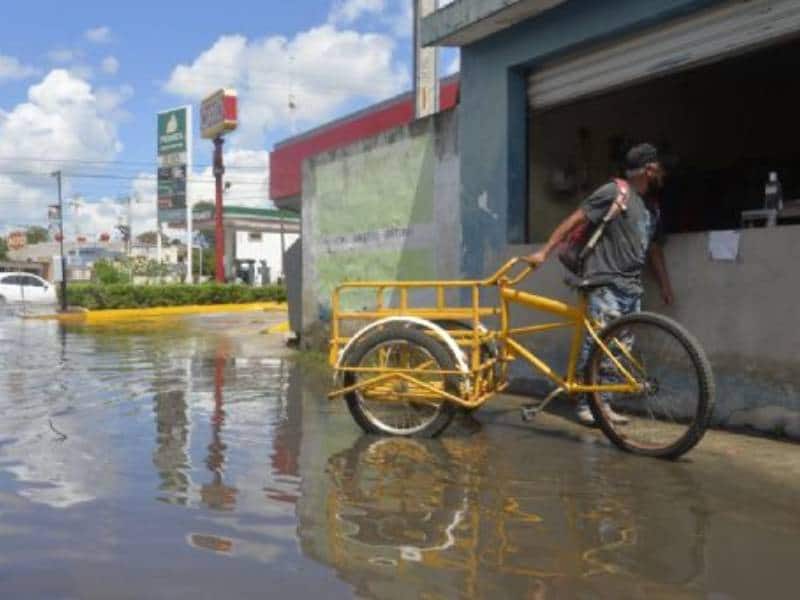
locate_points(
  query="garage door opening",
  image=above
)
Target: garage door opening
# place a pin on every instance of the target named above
(723, 127)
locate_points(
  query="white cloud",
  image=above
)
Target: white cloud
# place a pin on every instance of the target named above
(11, 68)
(401, 20)
(110, 65)
(99, 35)
(63, 120)
(81, 71)
(348, 11)
(63, 55)
(248, 175)
(323, 68)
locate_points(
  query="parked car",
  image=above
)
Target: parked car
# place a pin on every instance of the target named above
(24, 287)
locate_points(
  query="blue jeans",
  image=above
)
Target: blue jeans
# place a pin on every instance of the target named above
(605, 304)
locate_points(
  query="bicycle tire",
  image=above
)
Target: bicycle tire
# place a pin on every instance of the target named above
(701, 415)
(489, 350)
(400, 332)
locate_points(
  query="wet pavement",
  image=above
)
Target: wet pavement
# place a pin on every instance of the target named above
(196, 458)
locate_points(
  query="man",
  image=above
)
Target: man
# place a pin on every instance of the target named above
(612, 276)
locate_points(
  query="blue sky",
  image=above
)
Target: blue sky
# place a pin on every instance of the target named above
(80, 84)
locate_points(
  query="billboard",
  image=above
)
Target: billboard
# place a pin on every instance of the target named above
(174, 148)
(218, 114)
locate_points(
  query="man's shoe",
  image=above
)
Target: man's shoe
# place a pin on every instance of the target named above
(615, 417)
(585, 416)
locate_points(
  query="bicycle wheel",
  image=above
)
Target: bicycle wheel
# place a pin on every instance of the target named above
(489, 350)
(670, 416)
(398, 406)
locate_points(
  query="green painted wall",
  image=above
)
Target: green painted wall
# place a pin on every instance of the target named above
(380, 188)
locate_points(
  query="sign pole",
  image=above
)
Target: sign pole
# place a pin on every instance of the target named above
(219, 232)
(63, 282)
(219, 115)
(189, 214)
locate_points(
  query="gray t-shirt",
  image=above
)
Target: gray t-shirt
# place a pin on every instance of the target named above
(621, 253)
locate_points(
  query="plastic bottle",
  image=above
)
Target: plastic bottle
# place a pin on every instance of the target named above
(773, 194)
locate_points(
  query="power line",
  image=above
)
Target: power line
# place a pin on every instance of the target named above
(117, 162)
(125, 177)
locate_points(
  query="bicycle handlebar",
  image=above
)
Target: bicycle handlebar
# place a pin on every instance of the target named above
(502, 271)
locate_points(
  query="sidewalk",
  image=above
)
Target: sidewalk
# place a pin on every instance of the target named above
(755, 458)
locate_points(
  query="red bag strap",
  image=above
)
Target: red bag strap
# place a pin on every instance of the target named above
(623, 194)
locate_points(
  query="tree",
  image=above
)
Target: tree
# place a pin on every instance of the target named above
(108, 273)
(150, 237)
(209, 266)
(36, 235)
(3, 249)
(125, 232)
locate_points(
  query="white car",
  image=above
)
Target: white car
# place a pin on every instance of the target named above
(24, 287)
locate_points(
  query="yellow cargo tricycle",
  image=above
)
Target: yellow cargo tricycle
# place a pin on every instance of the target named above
(417, 351)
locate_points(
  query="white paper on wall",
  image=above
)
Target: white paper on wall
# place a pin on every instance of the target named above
(723, 245)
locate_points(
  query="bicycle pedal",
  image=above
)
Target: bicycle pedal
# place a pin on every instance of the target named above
(529, 413)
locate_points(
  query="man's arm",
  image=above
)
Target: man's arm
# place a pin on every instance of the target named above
(659, 265)
(576, 218)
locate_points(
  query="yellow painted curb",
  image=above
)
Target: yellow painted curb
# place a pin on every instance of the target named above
(131, 314)
(279, 328)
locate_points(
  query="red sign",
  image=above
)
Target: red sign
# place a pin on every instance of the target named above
(218, 114)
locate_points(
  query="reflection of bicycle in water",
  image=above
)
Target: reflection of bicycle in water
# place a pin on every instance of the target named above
(444, 516)
(649, 383)
(378, 484)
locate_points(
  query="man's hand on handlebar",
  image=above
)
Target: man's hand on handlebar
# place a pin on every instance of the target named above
(536, 258)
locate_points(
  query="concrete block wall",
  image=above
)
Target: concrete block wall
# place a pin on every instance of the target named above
(744, 313)
(385, 208)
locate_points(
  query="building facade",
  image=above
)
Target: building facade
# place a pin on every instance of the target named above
(552, 94)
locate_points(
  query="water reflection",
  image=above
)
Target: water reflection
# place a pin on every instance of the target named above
(190, 453)
(463, 517)
(171, 455)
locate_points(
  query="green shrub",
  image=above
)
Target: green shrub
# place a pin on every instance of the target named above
(99, 297)
(109, 273)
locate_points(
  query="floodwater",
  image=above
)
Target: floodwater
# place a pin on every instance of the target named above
(176, 461)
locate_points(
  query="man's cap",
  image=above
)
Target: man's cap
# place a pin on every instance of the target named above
(641, 155)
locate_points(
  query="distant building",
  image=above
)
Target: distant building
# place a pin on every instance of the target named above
(255, 239)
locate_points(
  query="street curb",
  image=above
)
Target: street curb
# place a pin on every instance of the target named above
(131, 314)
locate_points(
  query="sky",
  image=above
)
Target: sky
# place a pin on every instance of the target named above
(80, 88)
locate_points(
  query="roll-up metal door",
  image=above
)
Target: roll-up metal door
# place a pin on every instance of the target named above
(731, 28)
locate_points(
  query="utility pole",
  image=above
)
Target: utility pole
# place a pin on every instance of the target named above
(57, 175)
(283, 251)
(219, 232)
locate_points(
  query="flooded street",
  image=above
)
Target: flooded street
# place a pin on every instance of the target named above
(193, 459)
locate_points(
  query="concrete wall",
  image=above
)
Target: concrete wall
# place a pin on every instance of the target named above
(384, 208)
(744, 313)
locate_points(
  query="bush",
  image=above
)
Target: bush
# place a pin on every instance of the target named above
(98, 297)
(109, 273)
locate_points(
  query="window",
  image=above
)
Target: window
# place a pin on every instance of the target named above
(720, 134)
(254, 237)
(30, 281)
(12, 280)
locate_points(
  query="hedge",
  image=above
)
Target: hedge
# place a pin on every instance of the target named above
(98, 297)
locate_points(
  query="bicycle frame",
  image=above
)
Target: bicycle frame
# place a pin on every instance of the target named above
(481, 371)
